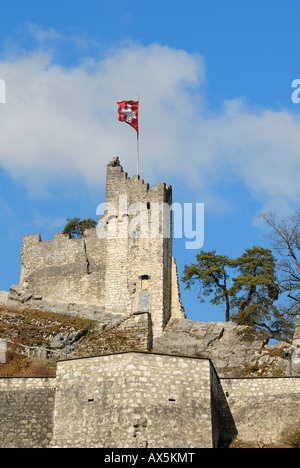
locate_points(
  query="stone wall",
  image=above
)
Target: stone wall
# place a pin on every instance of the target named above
(297, 330)
(65, 270)
(26, 412)
(260, 408)
(133, 333)
(139, 399)
(177, 309)
(135, 400)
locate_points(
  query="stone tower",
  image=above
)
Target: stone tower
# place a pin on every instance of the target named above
(139, 256)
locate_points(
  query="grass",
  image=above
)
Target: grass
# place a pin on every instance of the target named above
(34, 328)
(238, 444)
(291, 436)
(20, 366)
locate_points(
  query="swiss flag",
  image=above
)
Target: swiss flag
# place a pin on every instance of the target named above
(129, 113)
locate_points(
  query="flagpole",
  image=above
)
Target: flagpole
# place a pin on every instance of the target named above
(138, 146)
(138, 155)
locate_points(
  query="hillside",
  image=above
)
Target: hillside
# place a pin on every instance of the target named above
(36, 339)
(33, 339)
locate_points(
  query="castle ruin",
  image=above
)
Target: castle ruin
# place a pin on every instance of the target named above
(119, 273)
(152, 389)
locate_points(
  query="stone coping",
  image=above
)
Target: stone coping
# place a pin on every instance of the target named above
(138, 352)
(28, 377)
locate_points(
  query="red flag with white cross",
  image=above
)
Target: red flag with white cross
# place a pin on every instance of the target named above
(129, 113)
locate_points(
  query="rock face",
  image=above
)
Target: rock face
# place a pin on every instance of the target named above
(21, 298)
(232, 352)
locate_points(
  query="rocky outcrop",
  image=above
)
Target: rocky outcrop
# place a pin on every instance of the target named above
(22, 298)
(233, 352)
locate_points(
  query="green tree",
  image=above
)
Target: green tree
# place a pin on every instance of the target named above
(246, 285)
(254, 292)
(211, 274)
(255, 289)
(75, 227)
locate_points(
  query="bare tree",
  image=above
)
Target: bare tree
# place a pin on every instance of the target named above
(285, 237)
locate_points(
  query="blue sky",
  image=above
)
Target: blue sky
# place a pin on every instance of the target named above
(216, 116)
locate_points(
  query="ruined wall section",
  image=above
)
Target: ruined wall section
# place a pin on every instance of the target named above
(138, 266)
(297, 330)
(132, 333)
(65, 270)
(177, 309)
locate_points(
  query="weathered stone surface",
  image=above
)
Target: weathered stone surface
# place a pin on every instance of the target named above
(232, 353)
(3, 297)
(26, 412)
(135, 400)
(143, 305)
(297, 331)
(262, 408)
(3, 350)
(133, 333)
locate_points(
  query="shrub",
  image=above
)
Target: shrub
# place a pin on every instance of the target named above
(291, 436)
(20, 366)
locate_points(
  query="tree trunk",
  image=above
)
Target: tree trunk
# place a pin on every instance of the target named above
(227, 309)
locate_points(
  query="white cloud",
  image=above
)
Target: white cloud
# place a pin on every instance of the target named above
(61, 122)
